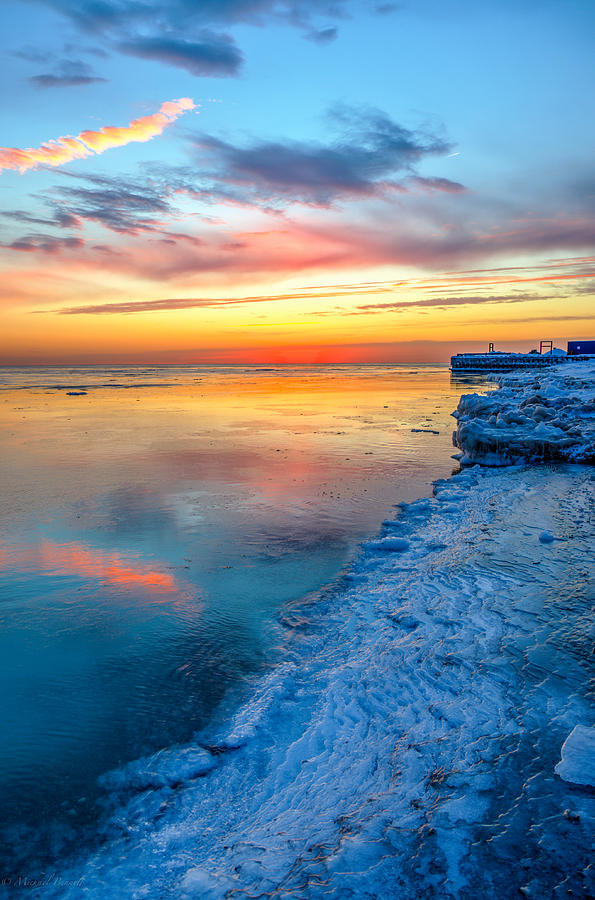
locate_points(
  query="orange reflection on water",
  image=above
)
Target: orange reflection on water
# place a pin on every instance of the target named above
(87, 562)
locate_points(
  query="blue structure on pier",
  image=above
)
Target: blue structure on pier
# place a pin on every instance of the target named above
(581, 348)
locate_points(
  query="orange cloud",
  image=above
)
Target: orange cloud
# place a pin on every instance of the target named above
(65, 149)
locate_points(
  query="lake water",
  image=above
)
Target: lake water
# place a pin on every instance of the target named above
(155, 527)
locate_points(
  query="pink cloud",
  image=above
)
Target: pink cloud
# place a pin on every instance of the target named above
(65, 149)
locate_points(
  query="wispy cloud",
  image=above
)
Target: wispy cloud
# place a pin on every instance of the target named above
(212, 55)
(125, 206)
(69, 73)
(109, 16)
(174, 303)
(389, 289)
(34, 243)
(59, 218)
(322, 35)
(65, 149)
(447, 302)
(178, 32)
(169, 303)
(370, 156)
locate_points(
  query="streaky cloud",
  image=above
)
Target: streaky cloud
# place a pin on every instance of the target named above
(61, 218)
(123, 205)
(437, 184)
(45, 244)
(66, 149)
(176, 32)
(212, 55)
(70, 73)
(322, 35)
(170, 303)
(48, 80)
(326, 292)
(108, 15)
(445, 302)
(370, 152)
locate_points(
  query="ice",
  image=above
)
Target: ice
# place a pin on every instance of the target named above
(530, 418)
(578, 756)
(197, 883)
(389, 545)
(167, 767)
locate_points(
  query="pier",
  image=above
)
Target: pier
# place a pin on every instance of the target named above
(499, 361)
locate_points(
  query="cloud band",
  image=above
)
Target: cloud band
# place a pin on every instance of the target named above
(65, 149)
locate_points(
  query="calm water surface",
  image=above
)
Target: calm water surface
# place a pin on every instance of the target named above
(154, 524)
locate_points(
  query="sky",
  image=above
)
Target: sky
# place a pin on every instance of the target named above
(294, 181)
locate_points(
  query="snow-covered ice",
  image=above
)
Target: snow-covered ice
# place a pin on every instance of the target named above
(532, 417)
(165, 768)
(408, 743)
(578, 756)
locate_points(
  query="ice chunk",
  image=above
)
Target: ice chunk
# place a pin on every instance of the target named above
(549, 416)
(578, 756)
(166, 768)
(389, 545)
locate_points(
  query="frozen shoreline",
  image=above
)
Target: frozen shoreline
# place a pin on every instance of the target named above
(406, 746)
(532, 417)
